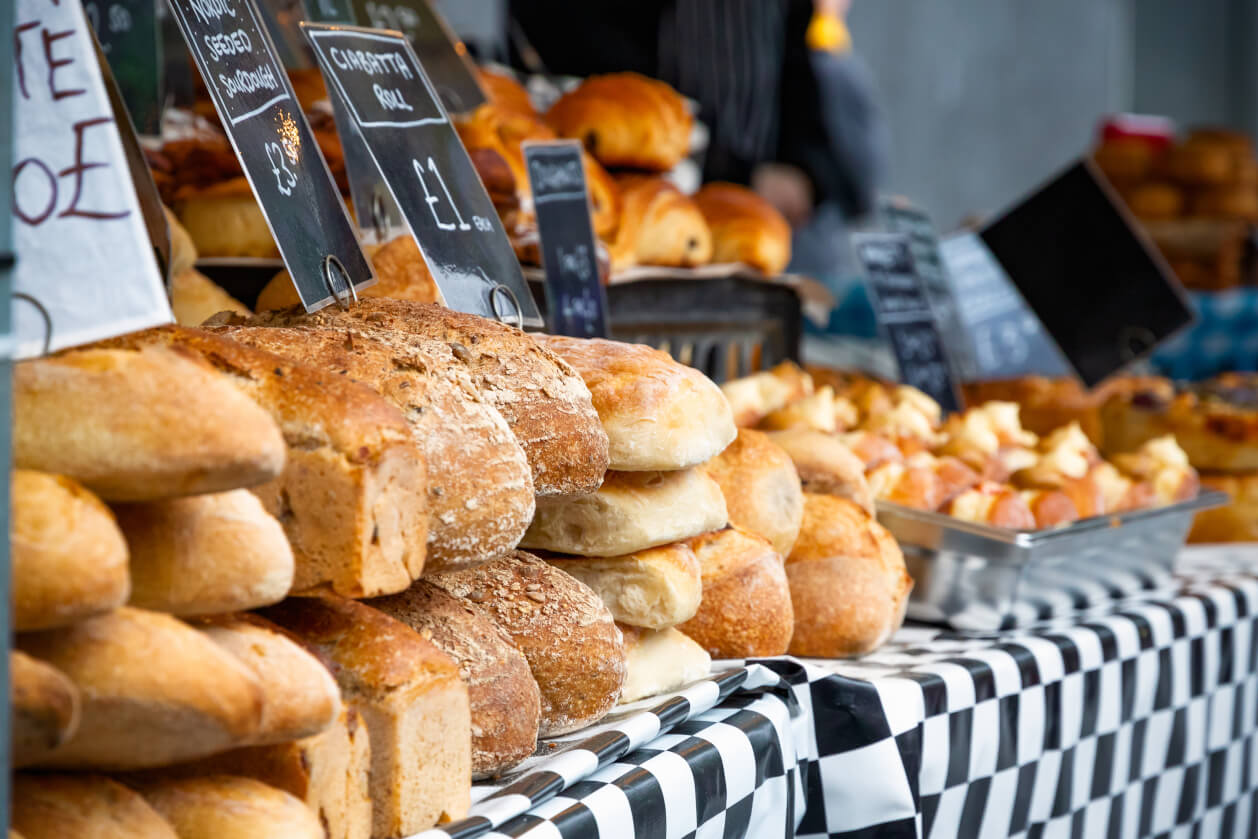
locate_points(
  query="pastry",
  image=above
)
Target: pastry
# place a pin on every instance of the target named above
(745, 228)
(658, 226)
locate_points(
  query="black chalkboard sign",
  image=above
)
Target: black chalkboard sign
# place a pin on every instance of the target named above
(905, 316)
(276, 147)
(574, 294)
(128, 36)
(1099, 287)
(419, 155)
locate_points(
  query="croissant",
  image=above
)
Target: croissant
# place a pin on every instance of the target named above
(745, 228)
(658, 226)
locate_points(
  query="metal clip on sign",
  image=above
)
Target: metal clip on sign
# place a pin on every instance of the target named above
(43, 314)
(333, 265)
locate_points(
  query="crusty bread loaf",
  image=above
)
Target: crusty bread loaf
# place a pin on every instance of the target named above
(480, 494)
(45, 708)
(745, 228)
(826, 465)
(194, 297)
(229, 807)
(572, 645)
(155, 691)
(848, 581)
(401, 274)
(412, 699)
(632, 511)
(761, 488)
(205, 554)
(658, 414)
(542, 398)
(659, 661)
(69, 560)
(83, 807)
(659, 225)
(136, 426)
(351, 495)
(504, 697)
(746, 608)
(653, 588)
(224, 219)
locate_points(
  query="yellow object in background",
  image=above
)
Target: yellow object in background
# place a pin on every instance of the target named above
(829, 33)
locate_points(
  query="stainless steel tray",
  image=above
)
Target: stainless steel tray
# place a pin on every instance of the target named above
(976, 577)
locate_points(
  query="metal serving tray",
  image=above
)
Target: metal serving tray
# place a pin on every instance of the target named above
(976, 577)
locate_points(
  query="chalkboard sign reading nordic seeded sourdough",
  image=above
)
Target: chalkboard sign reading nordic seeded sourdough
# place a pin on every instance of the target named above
(575, 299)
(276, 148)
(904, 315)
(395, 109)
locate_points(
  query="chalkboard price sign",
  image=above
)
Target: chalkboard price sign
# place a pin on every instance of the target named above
(904, 314)
(574, 294)
(276, 147)
(396, 110)
(127, 32)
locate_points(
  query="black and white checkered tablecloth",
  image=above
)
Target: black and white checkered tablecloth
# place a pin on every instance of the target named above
(1139, 719)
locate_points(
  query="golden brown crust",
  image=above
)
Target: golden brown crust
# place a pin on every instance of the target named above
(826, 465)
(85, 807)
(194, 298)
(1050, 507)
(745, 228)
(45, 708)
(228, 807)
(504, 91)
(400, 269)
(761, 488)
(564, 630)
(746, 608)
(658, 226)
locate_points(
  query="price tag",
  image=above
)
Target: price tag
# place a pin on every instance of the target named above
(85, 268)
(574, 296)
(416, 150)
(905, 316)
(127, 32)
(276, 148)
(1087, 271)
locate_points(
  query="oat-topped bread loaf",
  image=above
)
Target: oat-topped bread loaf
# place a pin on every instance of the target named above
(83, 807)
(572, 645)
(351, 497)
(480, 493)
(45, 708)
(135, 426)
(658, 414)
(542, 398)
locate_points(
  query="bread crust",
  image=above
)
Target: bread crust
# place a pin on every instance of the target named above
(1236, 522)
(45, 708)
(225, 220)
(400, 271)
(654, 588)
(825, 465)
(229, 807)
(83, 806)
(745, 228)
(761, 488)
(194, 297)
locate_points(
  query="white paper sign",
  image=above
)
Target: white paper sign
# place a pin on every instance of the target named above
(82, 249)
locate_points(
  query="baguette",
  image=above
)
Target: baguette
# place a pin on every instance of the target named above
(205, 554)
(69, 560)
(228, 807)
(569, 638)
(349, 452)
(504, 697)
(155, 691)
(45, 708)
(138, 426)
(654, 589)
(83, 807)
(761, 488)
(412, 699)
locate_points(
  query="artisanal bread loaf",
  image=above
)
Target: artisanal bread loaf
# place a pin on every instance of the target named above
(136, 426)
(745, 228)
(542, 398)
(659, 661)
(69, 560)
(658, 414)
(224, 219)
(761, 488)
(654, 588)
(659, 225)
(45, 708)
(155, 691)
(746, 608)
(480, 494)
(504, 697)
(194, 297)
(564, 630)
(351, 497)
(205, 554)
(632, 511)
(229, 807)
(825, 465)
(83, 807)
(401, 274)
(848, 581)
(412, 699)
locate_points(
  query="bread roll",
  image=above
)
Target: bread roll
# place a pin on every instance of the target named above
(69, 560)
(542, 398)
(655, 588)
(350, 452)
(761, 488)
(746, 608)
(225, 220)
(138, 426)
(205, 554)
(194, 298)
(564, 630)
(825, 465)
(45, 708)
(412, 699)
(848, 581)
(745, 228)
(155, 691)
(659, 225)
(631, 512)
(754, 397)
(660, 661)
(658, 414)
(83, 807)
(401, 273)
(227, 807)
